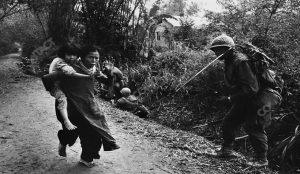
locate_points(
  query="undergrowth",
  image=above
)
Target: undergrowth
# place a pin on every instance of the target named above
(195, 107)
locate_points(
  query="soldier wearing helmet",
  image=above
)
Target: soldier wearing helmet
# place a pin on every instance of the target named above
(130, 103)
(244, 87)
(125, 92)
(221, 44)
(115, 81)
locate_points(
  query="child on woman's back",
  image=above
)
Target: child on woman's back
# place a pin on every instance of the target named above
(67, 54)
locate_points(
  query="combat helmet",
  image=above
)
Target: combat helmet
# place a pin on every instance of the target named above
(222, 41)
(125, 91)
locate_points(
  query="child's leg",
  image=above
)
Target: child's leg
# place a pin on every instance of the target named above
(62, 107)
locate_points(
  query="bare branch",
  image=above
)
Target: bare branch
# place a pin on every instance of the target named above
(133, 11)
(8, 13)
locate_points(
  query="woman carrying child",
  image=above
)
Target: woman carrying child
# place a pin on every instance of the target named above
(84, 111)
(66, 54)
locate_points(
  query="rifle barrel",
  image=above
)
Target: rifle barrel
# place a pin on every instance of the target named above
(181, 86)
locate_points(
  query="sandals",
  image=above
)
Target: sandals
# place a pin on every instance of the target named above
(87, 164)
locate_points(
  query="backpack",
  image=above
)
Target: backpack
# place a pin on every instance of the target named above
(260, 64)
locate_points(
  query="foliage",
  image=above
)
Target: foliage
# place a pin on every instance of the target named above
(271, 22)
(286, 152)
(107, 23)
(155, 8)
(119, 27)
(187, 34)
(270, 25)
(22, 28)
(11, 7)
(136, 76)
(185, 30)
(179, 8)
(188, 107)
(175, 7)
(170, 61)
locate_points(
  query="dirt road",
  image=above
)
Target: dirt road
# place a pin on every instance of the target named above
(28, 142)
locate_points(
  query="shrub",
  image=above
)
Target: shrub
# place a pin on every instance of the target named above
(156, 87)
(156, 84)
(22, 28)
(136, 76)
(170, 61)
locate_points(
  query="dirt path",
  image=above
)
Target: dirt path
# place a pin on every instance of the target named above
(28, 142)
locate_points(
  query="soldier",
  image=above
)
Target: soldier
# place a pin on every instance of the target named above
(115, 81)
(244, 88)
(130, 103)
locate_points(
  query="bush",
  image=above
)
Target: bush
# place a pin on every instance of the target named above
(156, 87)
(22, 28)
(136, 76)
(156, 84)
(170, 61)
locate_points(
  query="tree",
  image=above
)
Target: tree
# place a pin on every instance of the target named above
(180, 8)
(18, 25)
(110, 23)
(155, 8)
(107, 23)
(192, 9)
(175, 7)
(10, 7)
(258, 19)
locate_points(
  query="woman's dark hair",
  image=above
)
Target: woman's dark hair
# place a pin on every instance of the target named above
(67, 49)
(88, 49)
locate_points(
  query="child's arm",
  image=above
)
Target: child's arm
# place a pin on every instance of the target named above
(79, 75)
(69, 70)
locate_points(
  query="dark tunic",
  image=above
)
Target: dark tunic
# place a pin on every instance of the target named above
(81, 98)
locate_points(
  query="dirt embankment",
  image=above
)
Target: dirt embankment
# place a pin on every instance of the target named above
(28, 142)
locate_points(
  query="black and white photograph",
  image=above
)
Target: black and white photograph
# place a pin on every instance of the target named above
(149, 87)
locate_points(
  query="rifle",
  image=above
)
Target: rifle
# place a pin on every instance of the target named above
(181, 86)
(208, 124)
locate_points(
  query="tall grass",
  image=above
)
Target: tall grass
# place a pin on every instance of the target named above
(194, 103)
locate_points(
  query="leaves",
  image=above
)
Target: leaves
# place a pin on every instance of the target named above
(288, 149)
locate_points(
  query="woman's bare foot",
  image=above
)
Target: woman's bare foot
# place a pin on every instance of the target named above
(69, 125)
(62, 150)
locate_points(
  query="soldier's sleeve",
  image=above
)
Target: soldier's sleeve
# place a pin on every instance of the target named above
(247, 81)
(123, 103)
(118, 73)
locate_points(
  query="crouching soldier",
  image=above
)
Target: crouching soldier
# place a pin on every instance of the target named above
(115, 80)
(247, 108)
(130, 103)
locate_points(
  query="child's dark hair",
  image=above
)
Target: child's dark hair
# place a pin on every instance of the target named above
(88, 49)
(67, 49)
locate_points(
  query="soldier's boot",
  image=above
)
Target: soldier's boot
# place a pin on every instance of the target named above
(258, 162)
(227, 152)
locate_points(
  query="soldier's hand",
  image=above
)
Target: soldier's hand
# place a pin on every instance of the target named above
(108, 67)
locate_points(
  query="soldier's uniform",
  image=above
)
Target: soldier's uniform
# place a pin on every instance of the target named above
(130, 103)
(247, 108)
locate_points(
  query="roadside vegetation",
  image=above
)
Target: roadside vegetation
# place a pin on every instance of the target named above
(121, 30)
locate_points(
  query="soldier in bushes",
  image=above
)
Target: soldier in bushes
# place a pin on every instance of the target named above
(130, 103)
(244, 88)
(115, 80)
